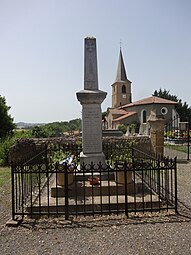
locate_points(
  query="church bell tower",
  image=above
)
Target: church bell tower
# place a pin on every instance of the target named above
(121, 88)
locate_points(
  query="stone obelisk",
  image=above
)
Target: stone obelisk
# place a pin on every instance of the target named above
(91, 98)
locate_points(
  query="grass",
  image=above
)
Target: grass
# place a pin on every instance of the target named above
(5, 175)
(178, 147)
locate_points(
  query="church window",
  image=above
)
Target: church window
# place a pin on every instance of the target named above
(123, 89)
(144, 116)
(164, 110)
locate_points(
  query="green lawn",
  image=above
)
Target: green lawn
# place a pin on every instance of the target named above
(178, 148)
(5, 175)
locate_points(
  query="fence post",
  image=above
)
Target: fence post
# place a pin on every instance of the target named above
(166, 180)
(158, 177)
(46, 159)
(66, 190)
(188, 135)
(126, 201)
(13, 191)
(132, 153)
(175, 185)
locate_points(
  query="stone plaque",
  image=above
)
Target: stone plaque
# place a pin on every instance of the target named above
(91, 129)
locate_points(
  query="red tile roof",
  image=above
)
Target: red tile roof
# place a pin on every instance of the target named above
(149, 100)
(116, 111)
(127, 115)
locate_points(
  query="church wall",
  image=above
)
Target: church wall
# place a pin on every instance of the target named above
(127, 121)
(159, 108)
(109, 120)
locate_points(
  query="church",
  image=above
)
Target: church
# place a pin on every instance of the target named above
(124, 111)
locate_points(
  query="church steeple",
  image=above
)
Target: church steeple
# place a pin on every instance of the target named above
(121, 72)
(121, 88)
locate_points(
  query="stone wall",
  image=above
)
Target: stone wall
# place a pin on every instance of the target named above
(142, 143)
(28, 148)
(22, 149)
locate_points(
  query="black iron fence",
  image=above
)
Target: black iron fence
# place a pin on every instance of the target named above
(177, 139)
(130, 181)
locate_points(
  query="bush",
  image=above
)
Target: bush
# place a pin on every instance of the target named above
(4, 150)
(7, 142)
(122, 128)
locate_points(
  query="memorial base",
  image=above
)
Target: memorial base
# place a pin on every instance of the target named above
(96, 158)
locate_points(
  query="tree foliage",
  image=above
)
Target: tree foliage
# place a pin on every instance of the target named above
(56, 129)
(6, 121)
(8, 141)
(122, 128)
(183, 109)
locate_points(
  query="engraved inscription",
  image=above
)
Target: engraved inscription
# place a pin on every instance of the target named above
(92, 130)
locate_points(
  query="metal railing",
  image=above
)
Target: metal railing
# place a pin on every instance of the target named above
(136, 182)
(177, 139)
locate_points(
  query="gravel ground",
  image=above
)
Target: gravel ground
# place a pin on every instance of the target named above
(158, 234)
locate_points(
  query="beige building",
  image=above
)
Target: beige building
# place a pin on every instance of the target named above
(124, 111)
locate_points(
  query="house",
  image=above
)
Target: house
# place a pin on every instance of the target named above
(124, 111)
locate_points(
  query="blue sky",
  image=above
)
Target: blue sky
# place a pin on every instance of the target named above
(41, 51)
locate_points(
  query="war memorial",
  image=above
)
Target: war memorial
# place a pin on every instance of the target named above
(94, 175)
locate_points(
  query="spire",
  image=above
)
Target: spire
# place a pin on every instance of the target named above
(121, 73)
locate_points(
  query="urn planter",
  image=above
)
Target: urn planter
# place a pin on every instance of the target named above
(120, 175)
(61, 179)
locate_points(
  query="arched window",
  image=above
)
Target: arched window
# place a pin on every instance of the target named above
(144, 116)
(123, 89)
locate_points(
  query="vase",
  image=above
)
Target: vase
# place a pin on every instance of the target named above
(61, 179)
(120, 175)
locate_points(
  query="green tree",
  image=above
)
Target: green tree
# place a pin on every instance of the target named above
(75, 124)
(6, 121)
(183, 109)
(39, 132)
(56, 129)
(122, 128)
(104, 114)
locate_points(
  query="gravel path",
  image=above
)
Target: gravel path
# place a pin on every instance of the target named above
(160, 234)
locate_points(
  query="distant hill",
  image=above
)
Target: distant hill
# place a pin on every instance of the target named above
(23, 125)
